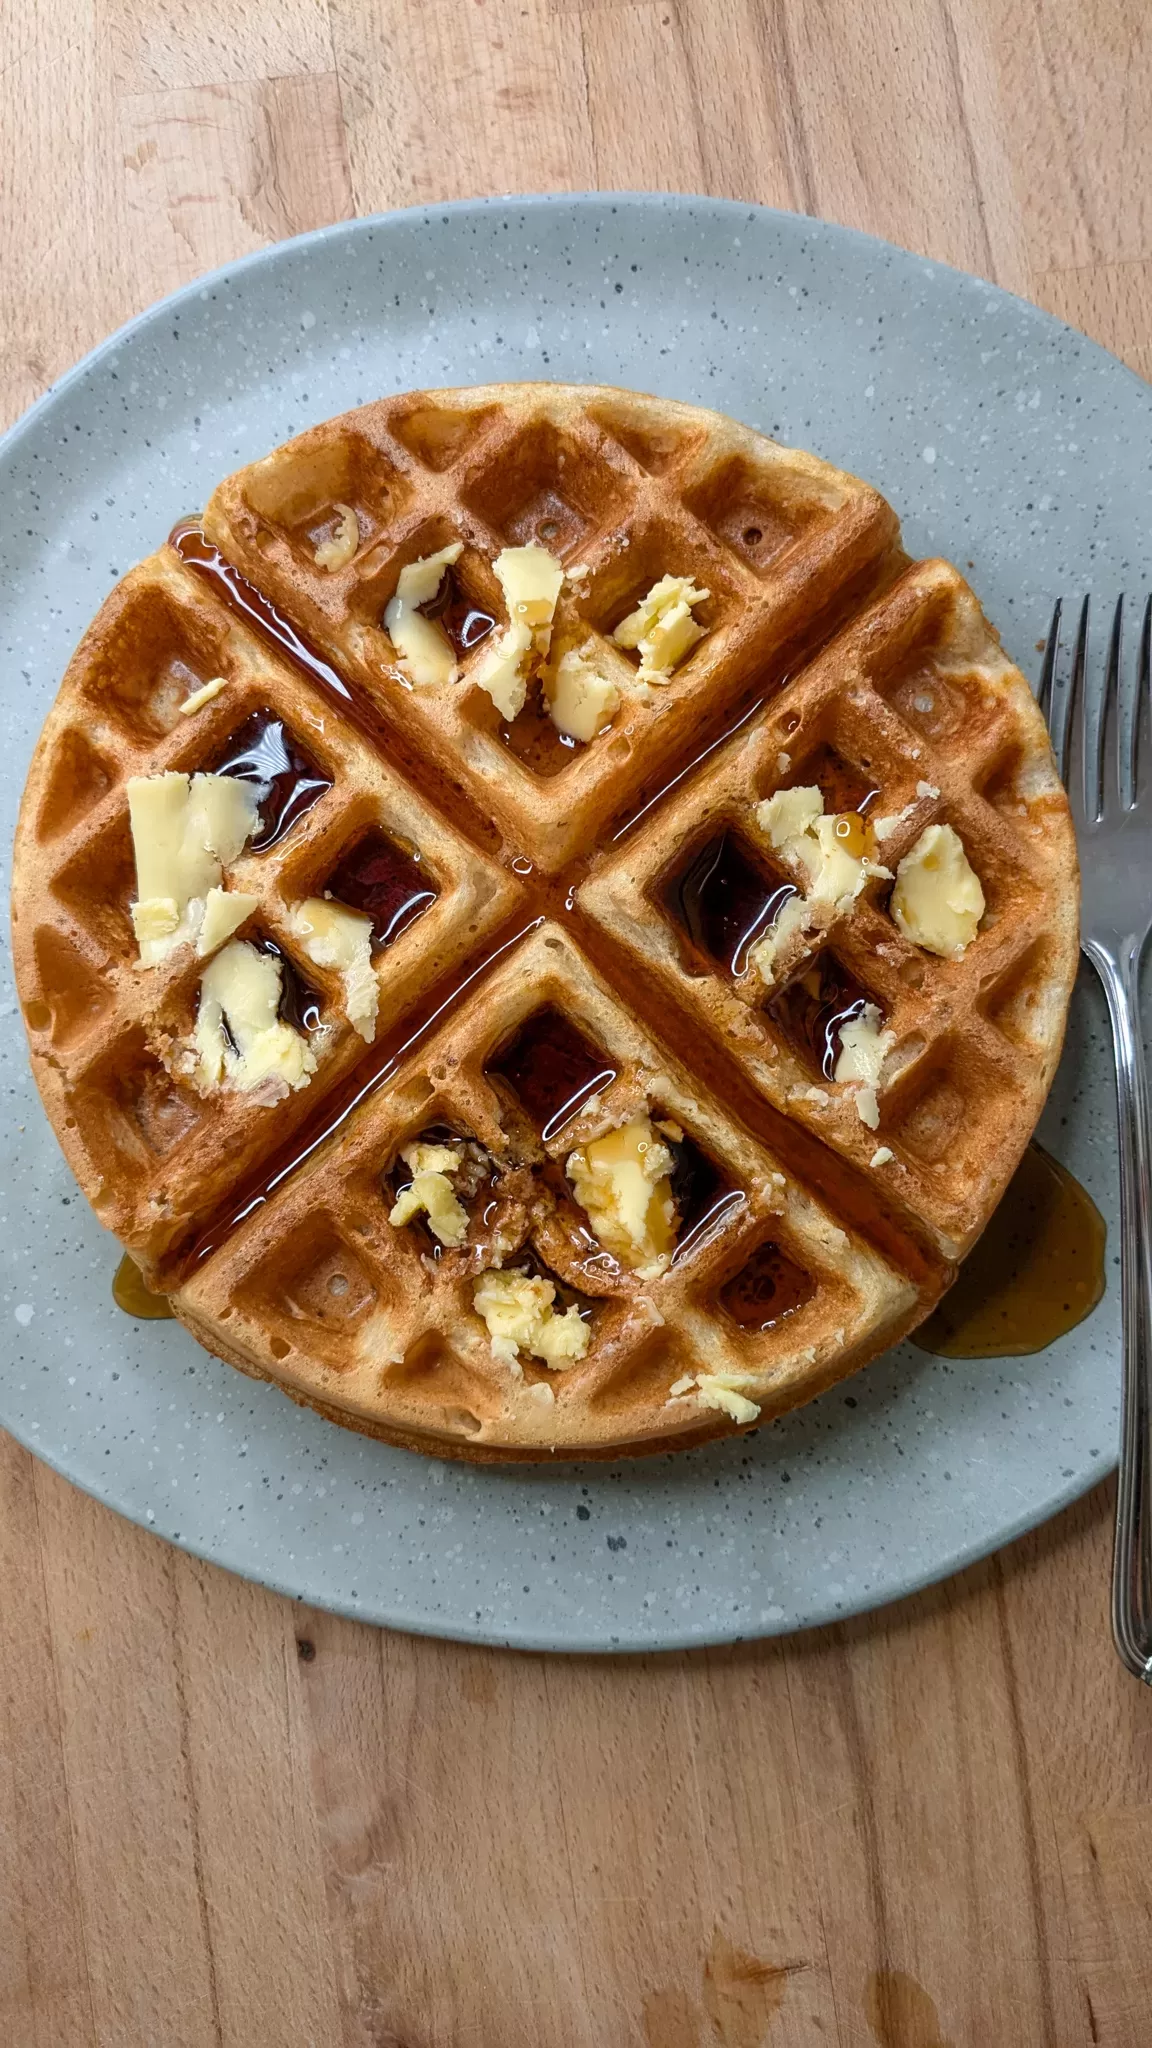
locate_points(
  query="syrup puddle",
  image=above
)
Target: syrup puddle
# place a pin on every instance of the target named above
(130, 1294)
(1037, 1271)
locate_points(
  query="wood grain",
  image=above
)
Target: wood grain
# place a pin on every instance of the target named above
(228, 1820)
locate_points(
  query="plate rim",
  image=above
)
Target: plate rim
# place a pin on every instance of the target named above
(806, 228)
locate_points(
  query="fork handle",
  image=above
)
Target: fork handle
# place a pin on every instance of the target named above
(1132, 1555)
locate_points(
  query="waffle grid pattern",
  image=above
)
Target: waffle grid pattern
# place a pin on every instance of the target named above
(867, 668)
(782, 542)
(917, 702)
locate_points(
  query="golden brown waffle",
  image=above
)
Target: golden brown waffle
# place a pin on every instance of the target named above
(394, 1345)
(156, 1159)
(561, 952)
(634, 491)
(916, 701)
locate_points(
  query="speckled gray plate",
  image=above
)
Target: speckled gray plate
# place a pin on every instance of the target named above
(1005, 441)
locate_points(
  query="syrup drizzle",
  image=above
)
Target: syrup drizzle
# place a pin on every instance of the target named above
(465, 623)
(724, 902)
(377, 1068)
(553, 1069)
(264, 753)
(763, 1289)
(768, 1288)
(193, 546)
(813, 1010)
(380, 878)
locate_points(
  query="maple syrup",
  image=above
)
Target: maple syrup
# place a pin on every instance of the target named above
(464, 621)
(383, 880)
(813, 1010)
(1037, 1271)
(130, 1293)
(534, 740)
(299, 1004)
(723, 900)
(376, 1068)
(703, 1197)
(553, 1069)
(264, 753)
(768, 1288)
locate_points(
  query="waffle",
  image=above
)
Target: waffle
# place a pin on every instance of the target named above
(575, 961)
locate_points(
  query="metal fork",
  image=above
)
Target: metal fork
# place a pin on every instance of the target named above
(1108, 773)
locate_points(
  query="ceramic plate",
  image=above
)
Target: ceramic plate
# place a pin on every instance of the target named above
(1005, 441)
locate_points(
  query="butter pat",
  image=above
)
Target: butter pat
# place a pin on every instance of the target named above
(203, 695)
(240, 1039)
(662, 629)
(863, 1051)
(334, 936)
(432, 1194)
(423, 648)
(337, 551)
(722, 1390)
(224, 913)
(185, 831)
(530, 579)
(621, 1182)
(501, 669)
(581, 702)
(796, 825)
(519, 1316)
(938, 901)
(424, 1158)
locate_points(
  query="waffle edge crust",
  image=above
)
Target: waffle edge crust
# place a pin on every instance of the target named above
(572, 956)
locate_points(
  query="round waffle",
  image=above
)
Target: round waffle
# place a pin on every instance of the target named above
(573, 955)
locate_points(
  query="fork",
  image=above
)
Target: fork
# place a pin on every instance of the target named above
(1108, 774)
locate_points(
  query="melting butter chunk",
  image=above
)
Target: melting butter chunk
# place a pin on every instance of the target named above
(337, 551)
(519, 1316)
(423, 648)
(203, 695)
(224, 913)
(819, 843)
(501, 669)
(423, 1157)
(580, 701)
(185, 832)
(334, 936)
(722, 1390)
(530, 579)
(938, 901)
(864, 1047)
(621, 1182)
(433, 1194)
(662, 629)
(240, 1039)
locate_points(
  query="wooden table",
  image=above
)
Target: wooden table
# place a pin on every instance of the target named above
(226, 1819)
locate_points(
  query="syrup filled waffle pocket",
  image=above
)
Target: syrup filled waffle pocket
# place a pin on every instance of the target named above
(538, 928)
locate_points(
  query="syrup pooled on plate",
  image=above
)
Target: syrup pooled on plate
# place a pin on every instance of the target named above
(1037, 1271)
(262, 751)
(388, 884)
(130, 1294)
